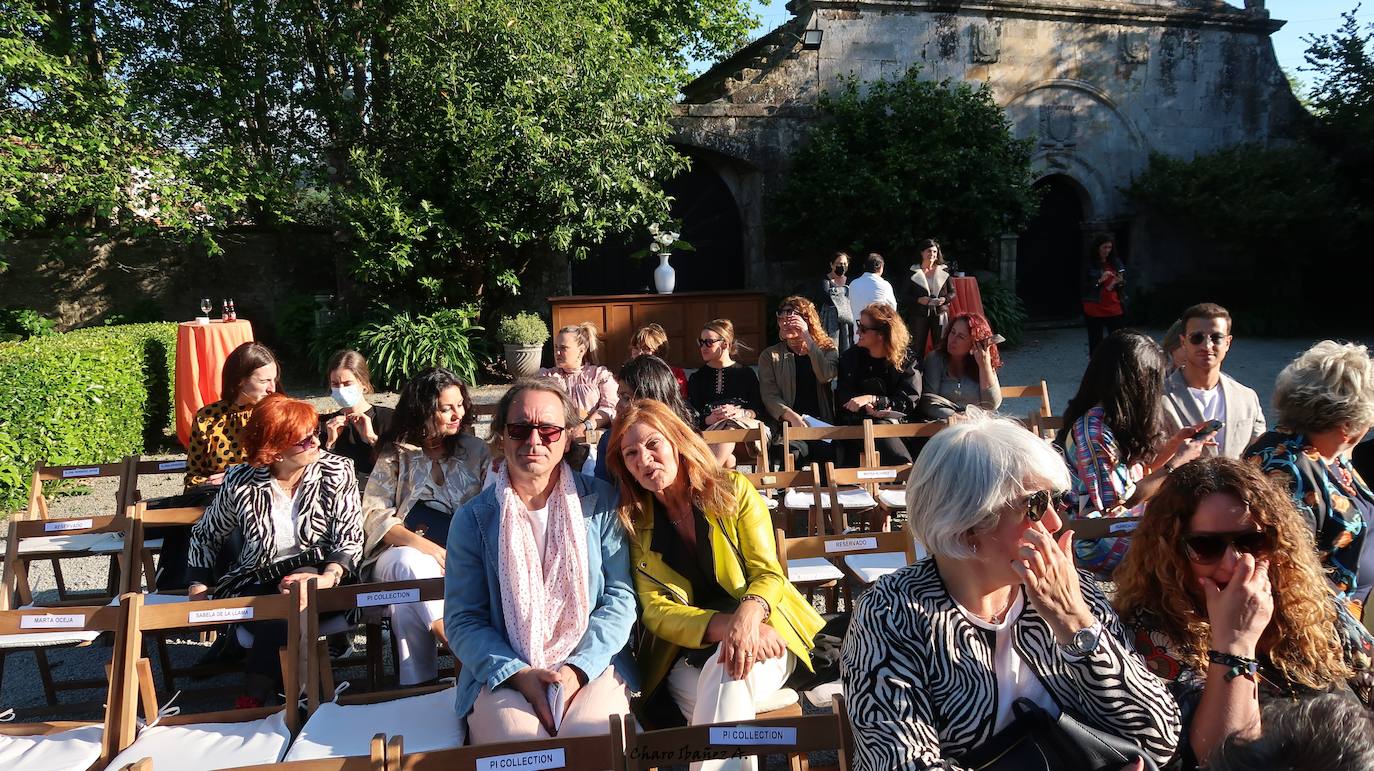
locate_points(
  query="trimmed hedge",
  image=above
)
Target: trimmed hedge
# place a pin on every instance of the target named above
(89, 396)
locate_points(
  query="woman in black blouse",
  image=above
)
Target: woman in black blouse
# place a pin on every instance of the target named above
(878, 377)
(353, 429)
(724, 393)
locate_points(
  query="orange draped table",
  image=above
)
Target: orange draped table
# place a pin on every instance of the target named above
(201, 351)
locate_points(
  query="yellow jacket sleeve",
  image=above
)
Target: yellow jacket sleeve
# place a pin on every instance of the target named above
(764, 575)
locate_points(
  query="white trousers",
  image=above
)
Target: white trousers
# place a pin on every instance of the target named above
(708, 695)
(417, 652)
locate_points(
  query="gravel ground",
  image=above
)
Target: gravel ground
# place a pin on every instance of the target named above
(1055, 355)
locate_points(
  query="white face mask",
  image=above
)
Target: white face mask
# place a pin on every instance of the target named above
(347, 396)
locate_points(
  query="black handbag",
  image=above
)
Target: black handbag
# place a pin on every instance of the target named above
(429, 522)
(1037, 742)
(273, 573)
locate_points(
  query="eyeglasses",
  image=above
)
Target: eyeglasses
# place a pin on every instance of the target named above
(1198, 338)
(306, 443)
(862, 327)
(1207, 548)
(706, 342)
(1038, 501)
(521, 432)
(782, 314)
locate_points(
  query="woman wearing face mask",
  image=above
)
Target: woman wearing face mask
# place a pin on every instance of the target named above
(832, 302)
(428, 465)
(249, 374)
(353, 429)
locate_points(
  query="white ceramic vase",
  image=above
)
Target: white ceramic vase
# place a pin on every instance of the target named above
(665, 278)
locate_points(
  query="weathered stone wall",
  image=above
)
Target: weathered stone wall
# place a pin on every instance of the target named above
(1098, 84)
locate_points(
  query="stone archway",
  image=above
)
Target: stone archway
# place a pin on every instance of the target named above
(1050, 251)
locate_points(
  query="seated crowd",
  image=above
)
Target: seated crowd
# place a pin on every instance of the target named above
(1234, 586)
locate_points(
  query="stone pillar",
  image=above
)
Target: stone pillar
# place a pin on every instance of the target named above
(1006, 260)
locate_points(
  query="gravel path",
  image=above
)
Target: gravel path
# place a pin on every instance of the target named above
(1055, 355)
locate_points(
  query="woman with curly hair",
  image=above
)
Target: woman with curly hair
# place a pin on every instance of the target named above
(1325, 399)
(1226, 600)
(795, 375)
(963, 368)
(878, 377)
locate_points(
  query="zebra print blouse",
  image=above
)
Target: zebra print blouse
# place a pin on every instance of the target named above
(330, 517)
(922, 692)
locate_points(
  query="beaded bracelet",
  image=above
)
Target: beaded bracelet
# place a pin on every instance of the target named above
(767, 609)
(1239, 666)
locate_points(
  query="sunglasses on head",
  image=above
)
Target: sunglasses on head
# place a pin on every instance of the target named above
(1038, 501)
(1207, 548)
(521, 431)
(1198, 338)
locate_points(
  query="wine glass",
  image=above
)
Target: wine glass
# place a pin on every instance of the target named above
(206, 306)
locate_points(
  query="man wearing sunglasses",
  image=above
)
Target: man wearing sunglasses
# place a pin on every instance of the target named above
(1200, 392)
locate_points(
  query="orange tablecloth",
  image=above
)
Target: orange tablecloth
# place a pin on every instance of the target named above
(967, 299)
(201, 351)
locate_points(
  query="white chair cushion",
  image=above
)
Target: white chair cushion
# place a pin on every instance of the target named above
(857, 498)
(74, 750)
(157, 599)
(893, 499)
(67, 544)
(46, 639)
(811, 570)
(210, 746)
(771, 503)
(783, 697)
(871, 567)
(115, 545)
(427, 722)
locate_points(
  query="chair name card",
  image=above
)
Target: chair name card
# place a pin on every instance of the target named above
(877, 473)
(1123, 527)
(753, 735)
(219, 615)
(53, 621)
(768, 480)
(68, 473)
(851, 544)
(67, 524)
(536, 760)
(172, 465)
(392, 597)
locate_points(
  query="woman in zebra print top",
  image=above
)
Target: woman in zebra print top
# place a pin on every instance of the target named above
(939, 651)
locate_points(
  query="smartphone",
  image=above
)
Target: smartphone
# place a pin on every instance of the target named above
(1209, 428)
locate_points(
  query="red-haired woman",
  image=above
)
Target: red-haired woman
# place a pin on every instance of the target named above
(298, 511)
(963, 368)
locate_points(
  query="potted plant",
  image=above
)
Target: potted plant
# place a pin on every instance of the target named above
(523, 336)
(664, 242)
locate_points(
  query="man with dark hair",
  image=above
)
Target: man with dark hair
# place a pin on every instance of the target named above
(1200, 391)
(871, 287)
(1332, 732)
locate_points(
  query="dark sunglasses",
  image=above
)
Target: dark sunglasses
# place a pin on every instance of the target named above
(307, 443)
(703, 342)
(521, 431)
(862, 327)
(782, 314)
(1198, 338)
(1037, 502)
(1207, 548)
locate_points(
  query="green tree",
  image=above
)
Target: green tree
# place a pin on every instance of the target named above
(895, 161)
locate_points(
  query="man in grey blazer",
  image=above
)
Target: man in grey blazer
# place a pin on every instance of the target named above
(1201, 391)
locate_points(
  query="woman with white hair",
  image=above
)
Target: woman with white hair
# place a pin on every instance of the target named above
(1325, 399)
(939, 652)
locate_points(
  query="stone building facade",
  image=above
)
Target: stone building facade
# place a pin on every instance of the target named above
(1097, 84)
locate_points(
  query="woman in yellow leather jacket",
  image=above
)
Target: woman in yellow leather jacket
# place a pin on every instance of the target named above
(725, 626)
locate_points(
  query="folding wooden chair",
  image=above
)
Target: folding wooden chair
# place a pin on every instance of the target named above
(1040, 391)
(67, 744)
(574, 753)
(1046, 426)
(824, 433)
(792, 736)
(339, 724)
(738, 436)
(375, 760)
(863, 558)
(1101, 527)
(258, 735)
(809, 574)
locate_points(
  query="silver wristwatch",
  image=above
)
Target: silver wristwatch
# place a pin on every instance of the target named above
(1084, 641)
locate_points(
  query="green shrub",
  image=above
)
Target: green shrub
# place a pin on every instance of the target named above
(89, 396)
(24, 323)
(400, 344)
(1003, 309)
(523, 328)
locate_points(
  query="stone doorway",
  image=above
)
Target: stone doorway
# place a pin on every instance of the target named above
(1050, 251)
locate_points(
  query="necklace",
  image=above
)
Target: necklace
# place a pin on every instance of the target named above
(1001, 615)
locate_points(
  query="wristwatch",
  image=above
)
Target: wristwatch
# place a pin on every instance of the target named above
(1084, 641)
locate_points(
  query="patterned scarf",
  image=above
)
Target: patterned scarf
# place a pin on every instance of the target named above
(544, 596)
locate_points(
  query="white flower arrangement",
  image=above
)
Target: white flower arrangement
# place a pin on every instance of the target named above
(665, 239)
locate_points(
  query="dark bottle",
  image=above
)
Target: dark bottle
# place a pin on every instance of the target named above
(233, 314)
(224, 310)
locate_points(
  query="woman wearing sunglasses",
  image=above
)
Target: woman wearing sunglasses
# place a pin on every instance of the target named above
(724, 393)
(538, 602)
(725, 628)
(1225, 598)
(1325, 399)
(429, 465)
(298, 513)
(939, 652)
(795, 375)
(878, 378)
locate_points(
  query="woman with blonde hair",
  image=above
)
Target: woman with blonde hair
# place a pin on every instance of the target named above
(795, 375)
(724, 392)
(353, 429)
(591, 386)
(878, 377)
(1226, 601)
(725, 627)
(1325, 399)
(652, 340)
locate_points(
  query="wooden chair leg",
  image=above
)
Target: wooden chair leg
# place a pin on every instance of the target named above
(395, 657)
(374, 656)
(149, 570)
(59, 579)
(164, 660)
(45, 674)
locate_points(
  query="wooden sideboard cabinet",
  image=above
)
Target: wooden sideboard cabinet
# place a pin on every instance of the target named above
(681, 315)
